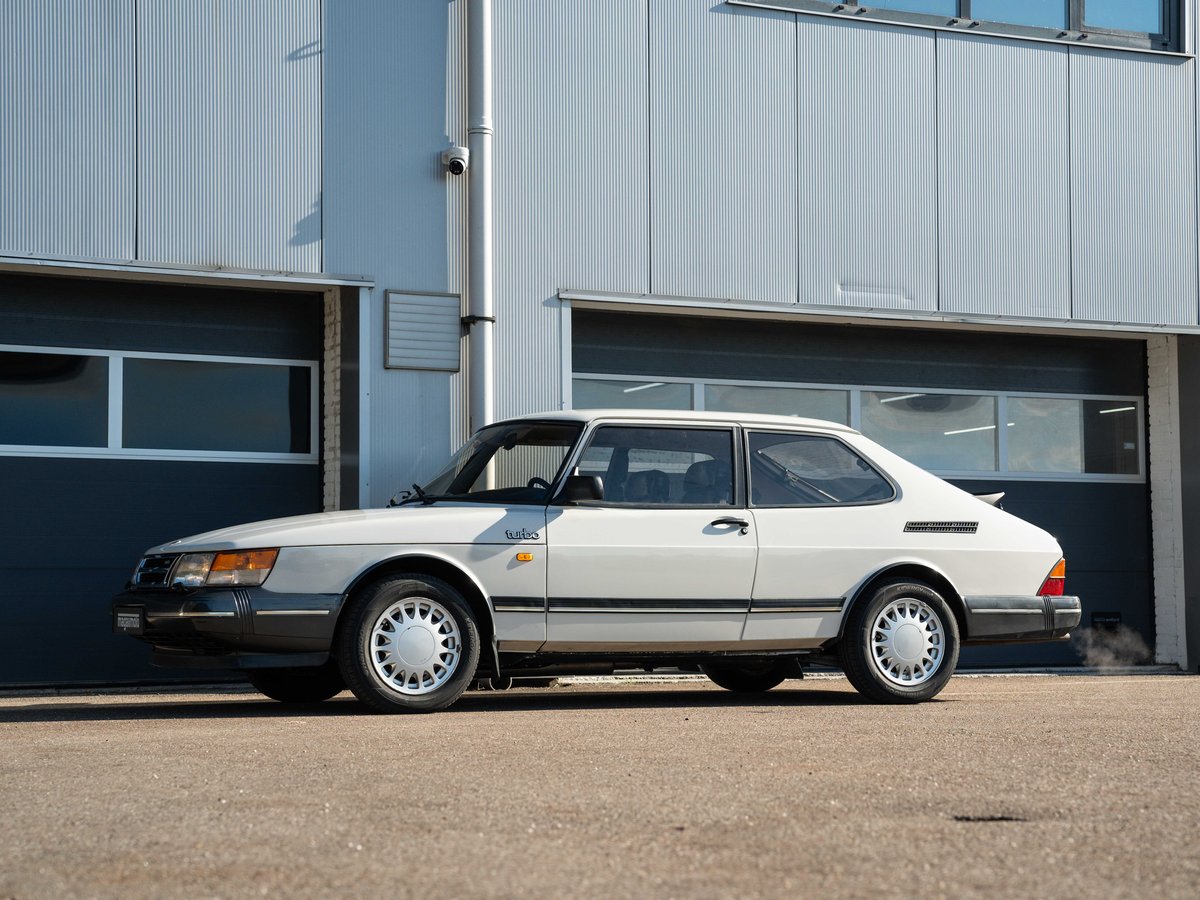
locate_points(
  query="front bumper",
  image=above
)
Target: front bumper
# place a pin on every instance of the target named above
(1003, 620)
(227, 626)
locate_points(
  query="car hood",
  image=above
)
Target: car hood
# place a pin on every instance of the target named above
(441, 523)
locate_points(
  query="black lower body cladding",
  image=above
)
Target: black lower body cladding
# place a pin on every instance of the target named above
(216, 622)
(997, 620)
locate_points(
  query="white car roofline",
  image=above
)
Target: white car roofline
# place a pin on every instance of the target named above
(707, 417)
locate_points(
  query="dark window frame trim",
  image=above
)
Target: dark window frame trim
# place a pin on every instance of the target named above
(1170, 43)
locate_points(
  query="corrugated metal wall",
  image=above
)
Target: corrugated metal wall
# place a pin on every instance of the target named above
(1003, 177)
(868, 166)
(572, 192)
(229, 137)
(723, 115)
(1133, 188)
(181, 131)
(66, 128)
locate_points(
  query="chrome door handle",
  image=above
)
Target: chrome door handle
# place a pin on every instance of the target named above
(731, 520)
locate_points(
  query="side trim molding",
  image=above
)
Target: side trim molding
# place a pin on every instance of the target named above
(798, 606)
(646, 605)
(519, 604)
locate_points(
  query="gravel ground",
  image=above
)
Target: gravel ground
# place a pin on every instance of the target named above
(1004, 786)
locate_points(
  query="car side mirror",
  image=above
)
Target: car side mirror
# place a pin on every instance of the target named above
(580, 488)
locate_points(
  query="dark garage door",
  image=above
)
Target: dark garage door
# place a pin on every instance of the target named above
(131, 414)
(1072, 403)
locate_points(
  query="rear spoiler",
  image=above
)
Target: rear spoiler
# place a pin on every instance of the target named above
(991, 499)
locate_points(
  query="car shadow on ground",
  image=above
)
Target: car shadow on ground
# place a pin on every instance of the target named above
(240, 706)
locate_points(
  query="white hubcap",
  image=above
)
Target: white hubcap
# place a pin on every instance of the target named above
(415, 646)
(907, 641)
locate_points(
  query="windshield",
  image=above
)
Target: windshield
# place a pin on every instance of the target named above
(514, 462)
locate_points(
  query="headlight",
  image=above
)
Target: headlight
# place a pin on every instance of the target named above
(250, 567)
(192, 569)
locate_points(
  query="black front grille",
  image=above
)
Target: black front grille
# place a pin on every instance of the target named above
(153, 571)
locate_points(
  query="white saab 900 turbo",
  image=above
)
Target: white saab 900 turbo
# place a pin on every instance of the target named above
(746, 545)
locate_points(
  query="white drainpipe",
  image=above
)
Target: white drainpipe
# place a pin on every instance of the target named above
(480, 281)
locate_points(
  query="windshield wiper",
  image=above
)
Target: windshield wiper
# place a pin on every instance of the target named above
(418, 494)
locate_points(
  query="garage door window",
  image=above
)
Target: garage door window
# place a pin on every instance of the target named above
(105, 403)
(811, 403)
(599, 394)
(1078, 436)
(936, 431)
(183, 405)
(955, 433)
(53, 399)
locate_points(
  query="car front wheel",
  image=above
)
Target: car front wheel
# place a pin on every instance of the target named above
(747, 677)
(900, 644)
(310, 684)
(409, 644)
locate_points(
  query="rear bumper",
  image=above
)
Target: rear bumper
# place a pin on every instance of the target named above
(1000, 620)
(226, 627)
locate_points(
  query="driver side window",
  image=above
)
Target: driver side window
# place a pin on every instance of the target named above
(647, 466)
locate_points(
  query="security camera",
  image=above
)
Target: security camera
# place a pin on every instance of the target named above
(457, 159)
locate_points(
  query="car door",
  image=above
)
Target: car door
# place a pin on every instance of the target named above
(666, 559)
(824, 520)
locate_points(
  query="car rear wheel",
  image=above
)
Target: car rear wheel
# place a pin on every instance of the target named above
(409, 644)
(900, 644)
(747, 676)
(310, 684)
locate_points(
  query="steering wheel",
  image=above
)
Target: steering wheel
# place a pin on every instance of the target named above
(538, 482)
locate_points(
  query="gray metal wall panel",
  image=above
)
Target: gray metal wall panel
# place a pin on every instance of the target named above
(722, 163)
(394, 98)
(571, 176)
(1133, 188)
(229, 133)
(1003, 198)
(66, 128)
(868, 179)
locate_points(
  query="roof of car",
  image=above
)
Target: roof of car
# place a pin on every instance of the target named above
(680, 415)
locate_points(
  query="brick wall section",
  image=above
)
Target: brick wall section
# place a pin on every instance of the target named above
(331, 393)
(1166, 509)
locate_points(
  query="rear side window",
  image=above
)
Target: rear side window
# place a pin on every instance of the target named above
(662, 466)
(810, 470)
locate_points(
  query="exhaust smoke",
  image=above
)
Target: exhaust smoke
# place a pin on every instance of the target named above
(1111, 647)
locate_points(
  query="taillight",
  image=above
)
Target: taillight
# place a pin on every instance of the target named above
(1056, 582)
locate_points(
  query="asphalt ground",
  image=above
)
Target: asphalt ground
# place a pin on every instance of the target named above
(1002, 787)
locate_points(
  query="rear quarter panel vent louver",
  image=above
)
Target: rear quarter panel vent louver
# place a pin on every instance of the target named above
(942, 527)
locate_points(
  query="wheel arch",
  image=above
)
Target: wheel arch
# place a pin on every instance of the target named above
(436, 567)
(917, 571)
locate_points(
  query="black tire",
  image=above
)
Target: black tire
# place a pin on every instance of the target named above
(310, 684)
(866, 668)
(354, 645)
(746, 676)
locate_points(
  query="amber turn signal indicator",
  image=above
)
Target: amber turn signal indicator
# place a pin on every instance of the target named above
(244, 560)
(524, 557)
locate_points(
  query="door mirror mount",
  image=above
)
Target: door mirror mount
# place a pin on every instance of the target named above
(581, 488)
